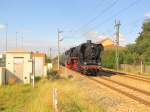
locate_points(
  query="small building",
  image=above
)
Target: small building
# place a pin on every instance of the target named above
(39, 59)
(18, 65)
(108, 43)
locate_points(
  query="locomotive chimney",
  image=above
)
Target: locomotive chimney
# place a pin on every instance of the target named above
(88, 41)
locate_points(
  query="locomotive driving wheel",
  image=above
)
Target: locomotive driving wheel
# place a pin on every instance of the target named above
(94, 73)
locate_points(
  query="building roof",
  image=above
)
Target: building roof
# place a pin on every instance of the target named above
(108, 43)
(105, 39)
(37, 54)
(18, 50)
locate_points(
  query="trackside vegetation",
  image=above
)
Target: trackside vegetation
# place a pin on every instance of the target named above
(132, 53)
(24, 98)
(13, 97)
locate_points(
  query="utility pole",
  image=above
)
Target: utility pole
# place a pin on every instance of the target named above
(117, 26)
(16, 39)
(22, 40)
(6, 36)
(33, 71)
(58, 42)
(50, 53)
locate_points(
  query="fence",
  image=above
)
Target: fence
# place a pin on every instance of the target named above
(135, 68)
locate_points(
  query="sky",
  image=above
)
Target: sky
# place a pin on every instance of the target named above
(37, 21)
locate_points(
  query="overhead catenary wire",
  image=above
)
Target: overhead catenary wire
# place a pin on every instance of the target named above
(114, 15)
(119, 12)
(134, 25)
(100, 14)
(91, 12)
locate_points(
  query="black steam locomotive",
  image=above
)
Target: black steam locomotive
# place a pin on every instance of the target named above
(84, 58)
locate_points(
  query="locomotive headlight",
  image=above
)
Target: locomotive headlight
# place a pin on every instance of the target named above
(85, 63)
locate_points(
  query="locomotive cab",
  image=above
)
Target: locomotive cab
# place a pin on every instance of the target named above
(72, 63)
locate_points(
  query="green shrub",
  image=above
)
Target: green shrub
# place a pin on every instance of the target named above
(108, 58)
(147, 63)
(53, 75)
(37, 78)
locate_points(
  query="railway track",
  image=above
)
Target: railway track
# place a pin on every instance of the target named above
(134, 93)
(135, 77)
(129, 91)
(127, 86)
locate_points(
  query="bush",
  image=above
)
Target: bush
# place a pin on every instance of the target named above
(37, 78)
(147, 63)
(53, 75)
(108, 58)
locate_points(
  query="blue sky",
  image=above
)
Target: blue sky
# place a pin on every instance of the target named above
(38, 20)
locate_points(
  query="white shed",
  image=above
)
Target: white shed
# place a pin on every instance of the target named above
(18, 65)
(39, 59)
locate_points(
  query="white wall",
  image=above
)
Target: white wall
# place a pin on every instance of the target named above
(10, 65)
(39, 66)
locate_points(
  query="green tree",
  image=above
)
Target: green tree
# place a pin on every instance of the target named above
(132, 53)
(130, 56)
(142, 46)
(109, 57)
(47, 59)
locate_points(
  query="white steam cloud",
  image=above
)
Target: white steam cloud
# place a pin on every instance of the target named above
(96, 37)
(147, 15)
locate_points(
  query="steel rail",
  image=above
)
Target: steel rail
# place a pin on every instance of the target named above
(140, 100)
(127, 86)
(134, 97)
(140, 78)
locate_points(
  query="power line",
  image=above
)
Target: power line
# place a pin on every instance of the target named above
(95, 8)
(100, 14)
(22, 38)
(16, 39)
(100, 3)
(6, 37)
(116, 14)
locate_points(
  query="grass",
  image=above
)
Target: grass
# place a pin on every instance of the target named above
(13, 98)
(23, 98)
(73, 99)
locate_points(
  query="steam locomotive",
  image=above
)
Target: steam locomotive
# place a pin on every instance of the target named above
(84, 58)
